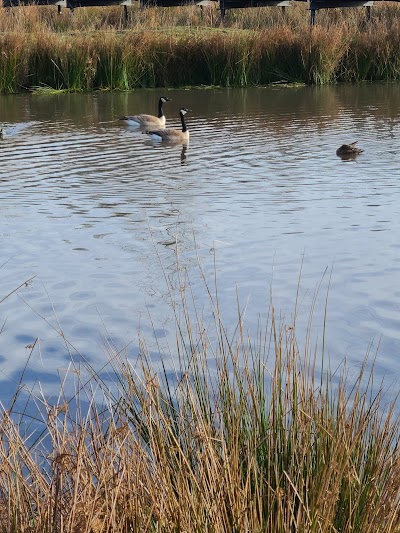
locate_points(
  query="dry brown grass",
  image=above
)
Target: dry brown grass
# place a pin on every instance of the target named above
(95, 48)
(248, 434)
(34, 19)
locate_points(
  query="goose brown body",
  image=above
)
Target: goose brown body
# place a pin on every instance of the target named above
(148, 121)
(170, 134)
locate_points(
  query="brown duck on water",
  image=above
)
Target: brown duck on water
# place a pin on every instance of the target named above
(347, 150)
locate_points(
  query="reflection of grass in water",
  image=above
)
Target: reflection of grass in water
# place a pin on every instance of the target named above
(179, 47)
(247, 435)
(46, 90)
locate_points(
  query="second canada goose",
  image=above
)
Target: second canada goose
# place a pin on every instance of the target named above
(149, 121)
(170, 134)
(347, 150)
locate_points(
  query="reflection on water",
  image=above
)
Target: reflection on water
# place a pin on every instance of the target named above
(95, 210)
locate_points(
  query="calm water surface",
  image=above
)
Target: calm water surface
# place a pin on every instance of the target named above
(92, 209)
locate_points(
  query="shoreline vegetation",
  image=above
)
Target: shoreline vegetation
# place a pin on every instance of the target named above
(249, 433)
(95, 49)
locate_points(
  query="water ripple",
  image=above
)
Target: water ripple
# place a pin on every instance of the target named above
(91, 206)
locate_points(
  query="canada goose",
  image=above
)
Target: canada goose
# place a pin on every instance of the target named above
(2, 133)
(145, 121)
(170, 134)
(348, 150)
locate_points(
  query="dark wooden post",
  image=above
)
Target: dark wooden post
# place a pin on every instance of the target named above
(312, 17)
(368, 13)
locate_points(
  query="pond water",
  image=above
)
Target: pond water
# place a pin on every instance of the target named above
(92, 210)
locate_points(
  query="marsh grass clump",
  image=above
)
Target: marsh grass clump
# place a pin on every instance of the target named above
(182, 46)
(61, 63)
(97, 49)
(373, 55)
(248, 433)
(13, 63)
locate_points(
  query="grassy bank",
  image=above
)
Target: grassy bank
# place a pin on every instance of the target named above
(96, 49)
(248, 434)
